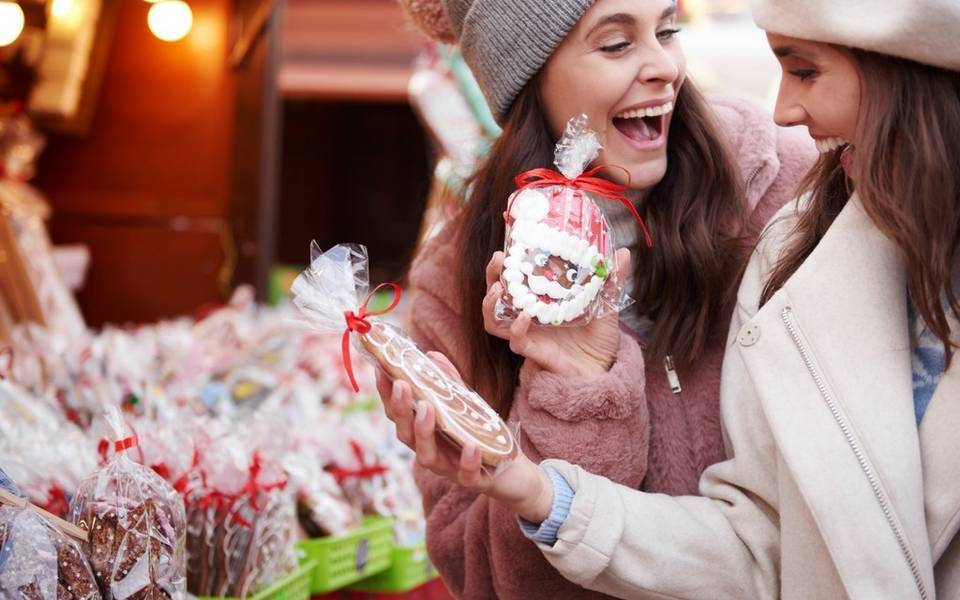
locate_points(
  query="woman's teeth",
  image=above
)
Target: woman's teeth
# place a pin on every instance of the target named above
(825, 145)
(653, 111)
(642, 124)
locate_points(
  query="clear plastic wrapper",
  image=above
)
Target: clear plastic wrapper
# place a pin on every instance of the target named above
(46, 454)
(333, 296)
(561, 266)
(136, 525)
(240, 516)
(39, 561)
(322, 507)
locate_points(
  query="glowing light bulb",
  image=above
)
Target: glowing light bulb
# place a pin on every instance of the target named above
(11, 22)
(170, 20)
(61, 8)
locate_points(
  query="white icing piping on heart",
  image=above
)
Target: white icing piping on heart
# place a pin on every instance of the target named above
(528, 208)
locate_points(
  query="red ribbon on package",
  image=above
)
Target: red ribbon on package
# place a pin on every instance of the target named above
(358, 322)
(587, 182)
(364, 472)
(125, 444)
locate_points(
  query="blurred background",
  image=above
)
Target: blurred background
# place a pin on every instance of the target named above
(178, 148)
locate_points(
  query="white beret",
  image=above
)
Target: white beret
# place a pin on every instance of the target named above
(926, 31)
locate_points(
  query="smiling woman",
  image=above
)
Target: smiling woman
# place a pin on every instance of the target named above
(627, 55)
(634, 397)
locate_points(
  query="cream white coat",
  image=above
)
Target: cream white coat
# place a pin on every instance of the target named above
(831, 490)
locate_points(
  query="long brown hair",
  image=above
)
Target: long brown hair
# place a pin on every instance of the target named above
(906, 174)
(697, 217)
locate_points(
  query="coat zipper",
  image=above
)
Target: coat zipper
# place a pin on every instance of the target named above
(787, 316)
(753, 175)
(672, 378)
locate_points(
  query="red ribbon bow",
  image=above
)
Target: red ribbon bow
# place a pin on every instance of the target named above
(587, 182)
(358, 322)
(364, 472)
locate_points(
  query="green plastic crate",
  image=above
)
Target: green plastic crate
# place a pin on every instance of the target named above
(409, 569)
(348, 558)
(295, 586)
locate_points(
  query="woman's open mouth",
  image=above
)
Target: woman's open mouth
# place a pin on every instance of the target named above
(644, 126)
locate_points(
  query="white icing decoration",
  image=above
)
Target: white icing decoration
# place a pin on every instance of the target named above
(444, 393)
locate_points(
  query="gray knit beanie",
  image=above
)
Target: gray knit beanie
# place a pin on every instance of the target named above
(505, 42)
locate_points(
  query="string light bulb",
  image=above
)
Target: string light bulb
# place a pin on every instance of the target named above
(170, 20)
(11, 22)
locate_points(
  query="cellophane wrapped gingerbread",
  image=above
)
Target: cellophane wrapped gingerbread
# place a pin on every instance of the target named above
(44, 453)
(333, 296)
(240, 515)
(37, 560)
(136, 526)
(560, 266)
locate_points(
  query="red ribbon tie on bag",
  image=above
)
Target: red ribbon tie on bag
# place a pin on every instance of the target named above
(358, 322)
(125, 444)
(587, 182)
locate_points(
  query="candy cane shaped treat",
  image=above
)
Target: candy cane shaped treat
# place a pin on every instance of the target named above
(461, 413)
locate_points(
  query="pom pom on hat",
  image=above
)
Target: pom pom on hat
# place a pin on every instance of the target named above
(924, 31)
(430, 18)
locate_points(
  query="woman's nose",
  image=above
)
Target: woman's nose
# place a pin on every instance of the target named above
(789, 112)
(660, 66)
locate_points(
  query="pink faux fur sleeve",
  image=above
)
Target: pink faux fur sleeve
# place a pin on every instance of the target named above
(600, 423)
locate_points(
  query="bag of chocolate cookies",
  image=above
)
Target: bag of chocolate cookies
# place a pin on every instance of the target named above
(241, 515)
(136, 526)
(38, 560)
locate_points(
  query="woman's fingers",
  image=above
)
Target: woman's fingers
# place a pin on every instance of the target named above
(426, 442)
(624, 261)
(401, 412)
(471, 473)
(385, 389)
(520, 342)
(491, 323)
(445, 365)
(494, 267)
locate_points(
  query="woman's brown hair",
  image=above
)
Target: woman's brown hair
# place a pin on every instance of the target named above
(697, 218)
(905, 169)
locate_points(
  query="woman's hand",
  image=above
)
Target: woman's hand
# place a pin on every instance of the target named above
(583, 351)
(521, 485)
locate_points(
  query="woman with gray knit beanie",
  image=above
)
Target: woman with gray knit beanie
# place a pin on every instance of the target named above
(634, 399)
(841, 383)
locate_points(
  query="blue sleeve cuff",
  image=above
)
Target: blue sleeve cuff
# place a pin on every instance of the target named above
(546, 533)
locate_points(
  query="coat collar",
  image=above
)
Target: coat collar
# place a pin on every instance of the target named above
(847, 305)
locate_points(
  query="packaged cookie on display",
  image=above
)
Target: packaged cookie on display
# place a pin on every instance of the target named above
(40, 555)
(560, 264)
(333, 296)
(136, 524)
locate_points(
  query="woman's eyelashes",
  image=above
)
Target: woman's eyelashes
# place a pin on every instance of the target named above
(667, 34)
(803, 74)
(615, 48)
(618, 47)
